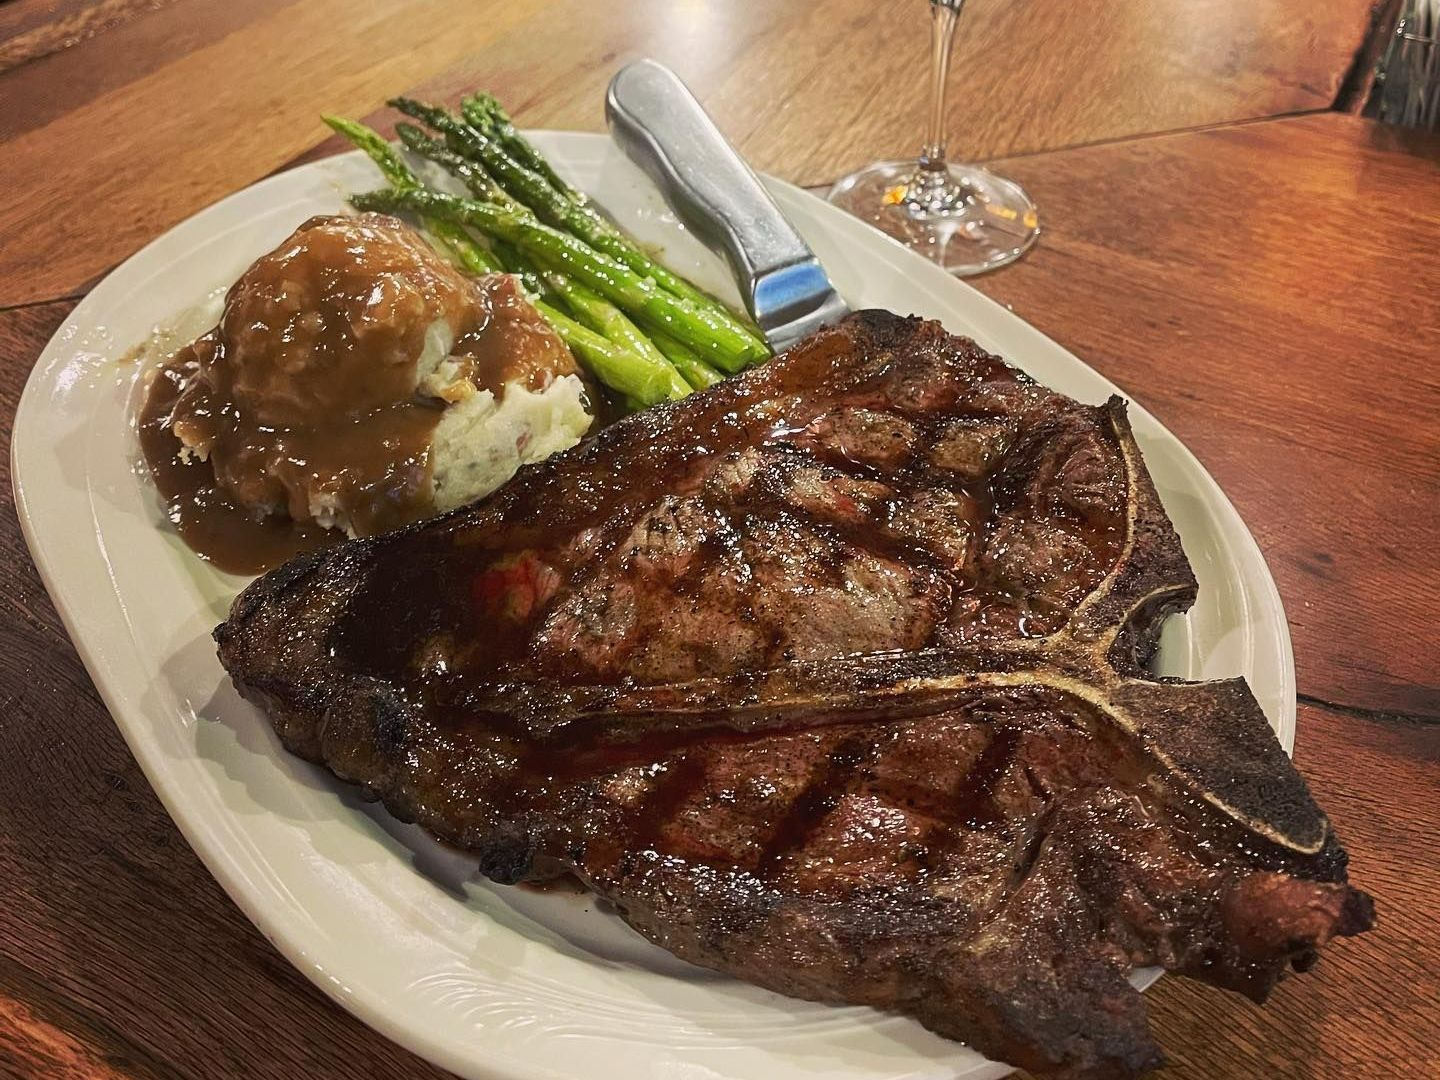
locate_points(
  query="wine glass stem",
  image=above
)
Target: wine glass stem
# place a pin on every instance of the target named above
(943, 16)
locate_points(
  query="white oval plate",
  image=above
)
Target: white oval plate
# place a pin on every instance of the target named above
(484, 980)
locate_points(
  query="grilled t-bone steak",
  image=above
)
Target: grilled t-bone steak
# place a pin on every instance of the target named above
(832, 678)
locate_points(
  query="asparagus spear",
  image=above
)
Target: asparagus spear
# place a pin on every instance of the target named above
(636, 377)
(459, 136)
(590, 307)
(718, 341)
(453, 237)
(530, 179)
(470, 256)
(480, 183)
(554, 203)
(392, 166)
(520, 183)
(492, 116)
(562, 207)
(514, 262)
(606, 319)
(687, 361)
(638, 381)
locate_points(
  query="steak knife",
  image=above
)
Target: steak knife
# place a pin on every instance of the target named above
(663, 129)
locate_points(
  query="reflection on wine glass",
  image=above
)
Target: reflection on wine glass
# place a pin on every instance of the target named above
(961, 216)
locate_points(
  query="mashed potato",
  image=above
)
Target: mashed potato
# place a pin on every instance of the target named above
(357, 381)
(481, 441)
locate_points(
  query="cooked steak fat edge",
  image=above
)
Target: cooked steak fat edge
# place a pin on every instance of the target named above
(832, 678)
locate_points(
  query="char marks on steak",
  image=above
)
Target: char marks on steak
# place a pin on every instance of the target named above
(832, 678)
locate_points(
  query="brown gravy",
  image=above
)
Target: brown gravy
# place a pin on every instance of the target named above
(235, 539)
(303, 398)
(513, 344)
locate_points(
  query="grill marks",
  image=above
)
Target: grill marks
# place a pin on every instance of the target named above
(702, 583)
(851, 800)
(649, 821)
(817, 799)
(974, 800)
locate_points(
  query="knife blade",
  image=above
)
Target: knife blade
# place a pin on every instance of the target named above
(660, 125)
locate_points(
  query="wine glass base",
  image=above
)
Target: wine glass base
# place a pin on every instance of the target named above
(989, 222)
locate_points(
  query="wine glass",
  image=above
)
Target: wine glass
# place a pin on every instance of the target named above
(963, 217)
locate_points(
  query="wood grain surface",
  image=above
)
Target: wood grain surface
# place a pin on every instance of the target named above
(130, 130)
(1270, 290)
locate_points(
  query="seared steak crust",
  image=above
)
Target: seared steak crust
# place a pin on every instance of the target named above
(831, 677)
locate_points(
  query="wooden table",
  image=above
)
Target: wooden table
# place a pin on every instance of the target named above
(1268, 287)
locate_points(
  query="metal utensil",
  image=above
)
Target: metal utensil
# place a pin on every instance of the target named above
(663, 129)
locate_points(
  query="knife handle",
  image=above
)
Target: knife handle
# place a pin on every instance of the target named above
(663, 129)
